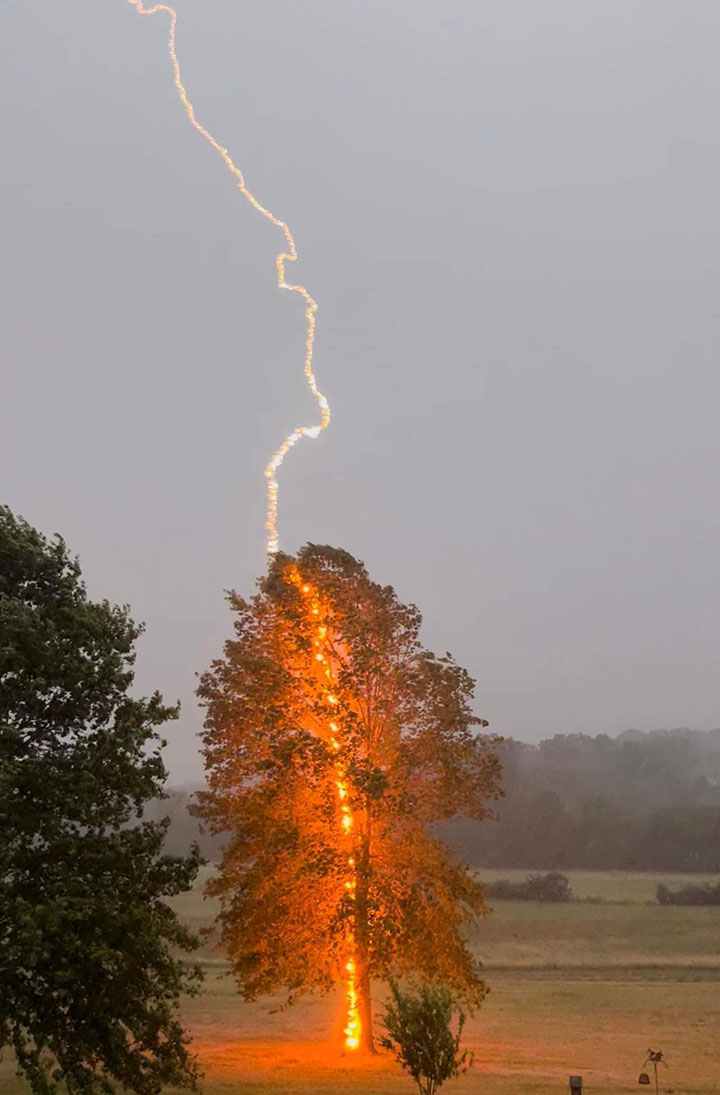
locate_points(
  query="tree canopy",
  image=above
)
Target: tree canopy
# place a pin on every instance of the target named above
(334, 742)
(89, 978)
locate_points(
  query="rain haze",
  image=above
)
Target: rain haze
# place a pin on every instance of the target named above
(508, 214)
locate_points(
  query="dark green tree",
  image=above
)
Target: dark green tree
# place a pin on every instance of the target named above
(419, 1033)
(89, 973)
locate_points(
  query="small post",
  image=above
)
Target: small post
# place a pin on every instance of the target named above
(576, 1085)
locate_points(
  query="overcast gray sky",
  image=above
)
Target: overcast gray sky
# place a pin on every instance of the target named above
(508, 213)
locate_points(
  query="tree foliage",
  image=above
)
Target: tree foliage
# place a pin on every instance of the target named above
(89, 980)
(410, 757)
(419, 1033)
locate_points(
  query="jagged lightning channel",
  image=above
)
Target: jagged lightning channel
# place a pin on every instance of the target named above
(289, 255)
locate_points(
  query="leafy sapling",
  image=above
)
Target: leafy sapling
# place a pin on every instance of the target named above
(419, 1032)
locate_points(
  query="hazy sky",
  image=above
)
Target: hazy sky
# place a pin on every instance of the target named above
(509, 213)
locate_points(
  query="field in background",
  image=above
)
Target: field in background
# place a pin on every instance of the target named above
(582, 987)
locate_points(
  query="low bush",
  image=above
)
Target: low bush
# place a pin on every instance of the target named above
(689, 895)
(419, 1032)
(552, 886)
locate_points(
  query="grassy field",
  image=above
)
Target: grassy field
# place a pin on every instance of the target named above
(579, 988)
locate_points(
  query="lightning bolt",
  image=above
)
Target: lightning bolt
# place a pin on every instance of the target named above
(288, 255)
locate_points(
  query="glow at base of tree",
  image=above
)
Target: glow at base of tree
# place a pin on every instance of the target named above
(318, 614)
(289, 255)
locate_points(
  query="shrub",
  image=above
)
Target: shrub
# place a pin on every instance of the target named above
(419, 1033)
(689, 895)
(536, 887)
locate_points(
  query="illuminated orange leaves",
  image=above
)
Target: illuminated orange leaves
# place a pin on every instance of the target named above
(327, 772)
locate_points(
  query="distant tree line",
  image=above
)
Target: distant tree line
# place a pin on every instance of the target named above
(641, 801)
(184, 829)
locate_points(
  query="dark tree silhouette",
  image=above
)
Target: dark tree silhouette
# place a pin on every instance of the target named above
(89, 978)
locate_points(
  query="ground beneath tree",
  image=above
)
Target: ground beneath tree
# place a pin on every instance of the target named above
(580, 988)
(535, 1028)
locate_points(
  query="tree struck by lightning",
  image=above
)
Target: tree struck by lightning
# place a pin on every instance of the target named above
(334, 743)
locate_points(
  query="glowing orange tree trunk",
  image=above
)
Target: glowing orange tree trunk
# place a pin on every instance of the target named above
(328, 650)
(362, 949)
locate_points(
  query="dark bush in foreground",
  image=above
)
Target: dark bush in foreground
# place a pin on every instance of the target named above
(689, 895)
(552, 886)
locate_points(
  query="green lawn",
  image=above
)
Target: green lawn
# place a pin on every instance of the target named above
(574, 988)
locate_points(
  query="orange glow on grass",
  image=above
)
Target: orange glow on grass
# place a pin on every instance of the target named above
(283, 257)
